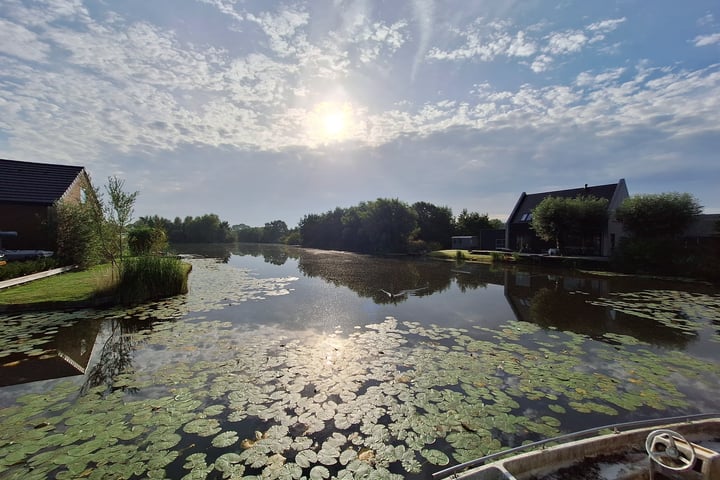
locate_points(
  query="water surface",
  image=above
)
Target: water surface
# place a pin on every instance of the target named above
(289, 363)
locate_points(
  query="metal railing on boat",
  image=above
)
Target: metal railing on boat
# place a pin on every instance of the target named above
(616, 427)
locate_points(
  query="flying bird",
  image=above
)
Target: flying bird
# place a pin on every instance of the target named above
(402, 293)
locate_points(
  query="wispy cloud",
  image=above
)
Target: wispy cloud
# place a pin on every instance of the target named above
(706, 40)
(424, 15)
(488, 40)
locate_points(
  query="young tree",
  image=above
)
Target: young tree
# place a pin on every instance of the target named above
(111, 219)
(658, 215)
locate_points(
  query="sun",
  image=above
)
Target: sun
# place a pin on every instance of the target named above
(330, 122)
(334, 123)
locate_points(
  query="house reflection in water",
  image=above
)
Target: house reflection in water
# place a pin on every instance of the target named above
(563, 301)
(66, 355)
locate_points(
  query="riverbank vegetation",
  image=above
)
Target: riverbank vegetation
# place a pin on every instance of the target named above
(97, 236)
(389, 226)
(141, 279)
(379, 226)
(655, 244)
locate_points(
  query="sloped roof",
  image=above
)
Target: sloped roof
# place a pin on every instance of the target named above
(35, 183)
(530, 201)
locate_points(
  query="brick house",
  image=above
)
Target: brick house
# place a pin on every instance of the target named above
(519, 235)
(28, 194)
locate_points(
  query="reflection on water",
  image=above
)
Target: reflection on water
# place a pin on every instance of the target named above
(60, 351)
(315, 363)
(564, 300)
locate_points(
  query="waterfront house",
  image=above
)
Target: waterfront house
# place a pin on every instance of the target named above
(519, 235)
(464, 242)
(28, 194)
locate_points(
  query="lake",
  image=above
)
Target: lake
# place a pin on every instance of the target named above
(289, 363)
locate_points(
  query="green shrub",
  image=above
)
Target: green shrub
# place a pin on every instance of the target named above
(151, 277)
(16, 269)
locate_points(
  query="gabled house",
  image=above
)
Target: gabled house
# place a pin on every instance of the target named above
(519, 235)
(28, 193)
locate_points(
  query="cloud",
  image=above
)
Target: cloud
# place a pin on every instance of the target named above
(121, 93)
(283, 29)
(562, 43)
(706, 40)
(18, 41)
(424, 15)
(488, 40)
(605, 26)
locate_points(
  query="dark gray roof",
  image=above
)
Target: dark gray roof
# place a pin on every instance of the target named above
(530, 201)
(35, 183)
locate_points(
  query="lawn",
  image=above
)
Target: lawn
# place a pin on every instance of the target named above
(463, 255)
(76, 286)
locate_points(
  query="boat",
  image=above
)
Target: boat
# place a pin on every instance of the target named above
(676, 448)
(17, 255)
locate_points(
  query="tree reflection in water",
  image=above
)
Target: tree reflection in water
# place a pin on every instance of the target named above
(116, 356)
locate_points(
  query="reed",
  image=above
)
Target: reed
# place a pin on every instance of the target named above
(151, 277)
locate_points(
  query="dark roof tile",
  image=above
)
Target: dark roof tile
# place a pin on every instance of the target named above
(38, 183)
(532, 200)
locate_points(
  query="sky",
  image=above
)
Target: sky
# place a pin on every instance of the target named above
(259, 110)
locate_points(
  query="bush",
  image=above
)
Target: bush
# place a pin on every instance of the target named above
(27, 267)
(151, 277)
(666, 256)
(144, 240)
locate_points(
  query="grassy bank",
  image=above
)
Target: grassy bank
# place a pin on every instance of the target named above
(462, 255)
(138, 283)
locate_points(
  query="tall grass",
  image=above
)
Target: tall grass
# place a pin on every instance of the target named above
(151, 277)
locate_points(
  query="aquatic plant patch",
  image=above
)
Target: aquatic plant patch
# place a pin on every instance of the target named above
(189, 396)
(392, 399)
(686, 312)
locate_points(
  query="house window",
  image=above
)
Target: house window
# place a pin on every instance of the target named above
(526, 217)
(83, 196)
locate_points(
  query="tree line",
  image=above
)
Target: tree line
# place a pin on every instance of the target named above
(379, 226)
(390, 226)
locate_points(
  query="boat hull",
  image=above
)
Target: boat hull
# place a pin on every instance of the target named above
(606, 448)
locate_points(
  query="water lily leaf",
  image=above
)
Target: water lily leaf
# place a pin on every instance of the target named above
(205, 427)
(347, 456)
(319, 473)
(436, 457)
(306, 458)
(225, 439)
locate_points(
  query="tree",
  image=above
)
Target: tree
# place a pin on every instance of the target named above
(112, 218)
(471, 223)
(274, 232)
(658, 215)
(435, 224)
(389, 225)
(555, 218)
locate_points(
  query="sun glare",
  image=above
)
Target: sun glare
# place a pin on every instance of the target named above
(330, 122)
(334, 124)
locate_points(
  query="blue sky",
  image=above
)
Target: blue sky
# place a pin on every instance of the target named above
(261, 110)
